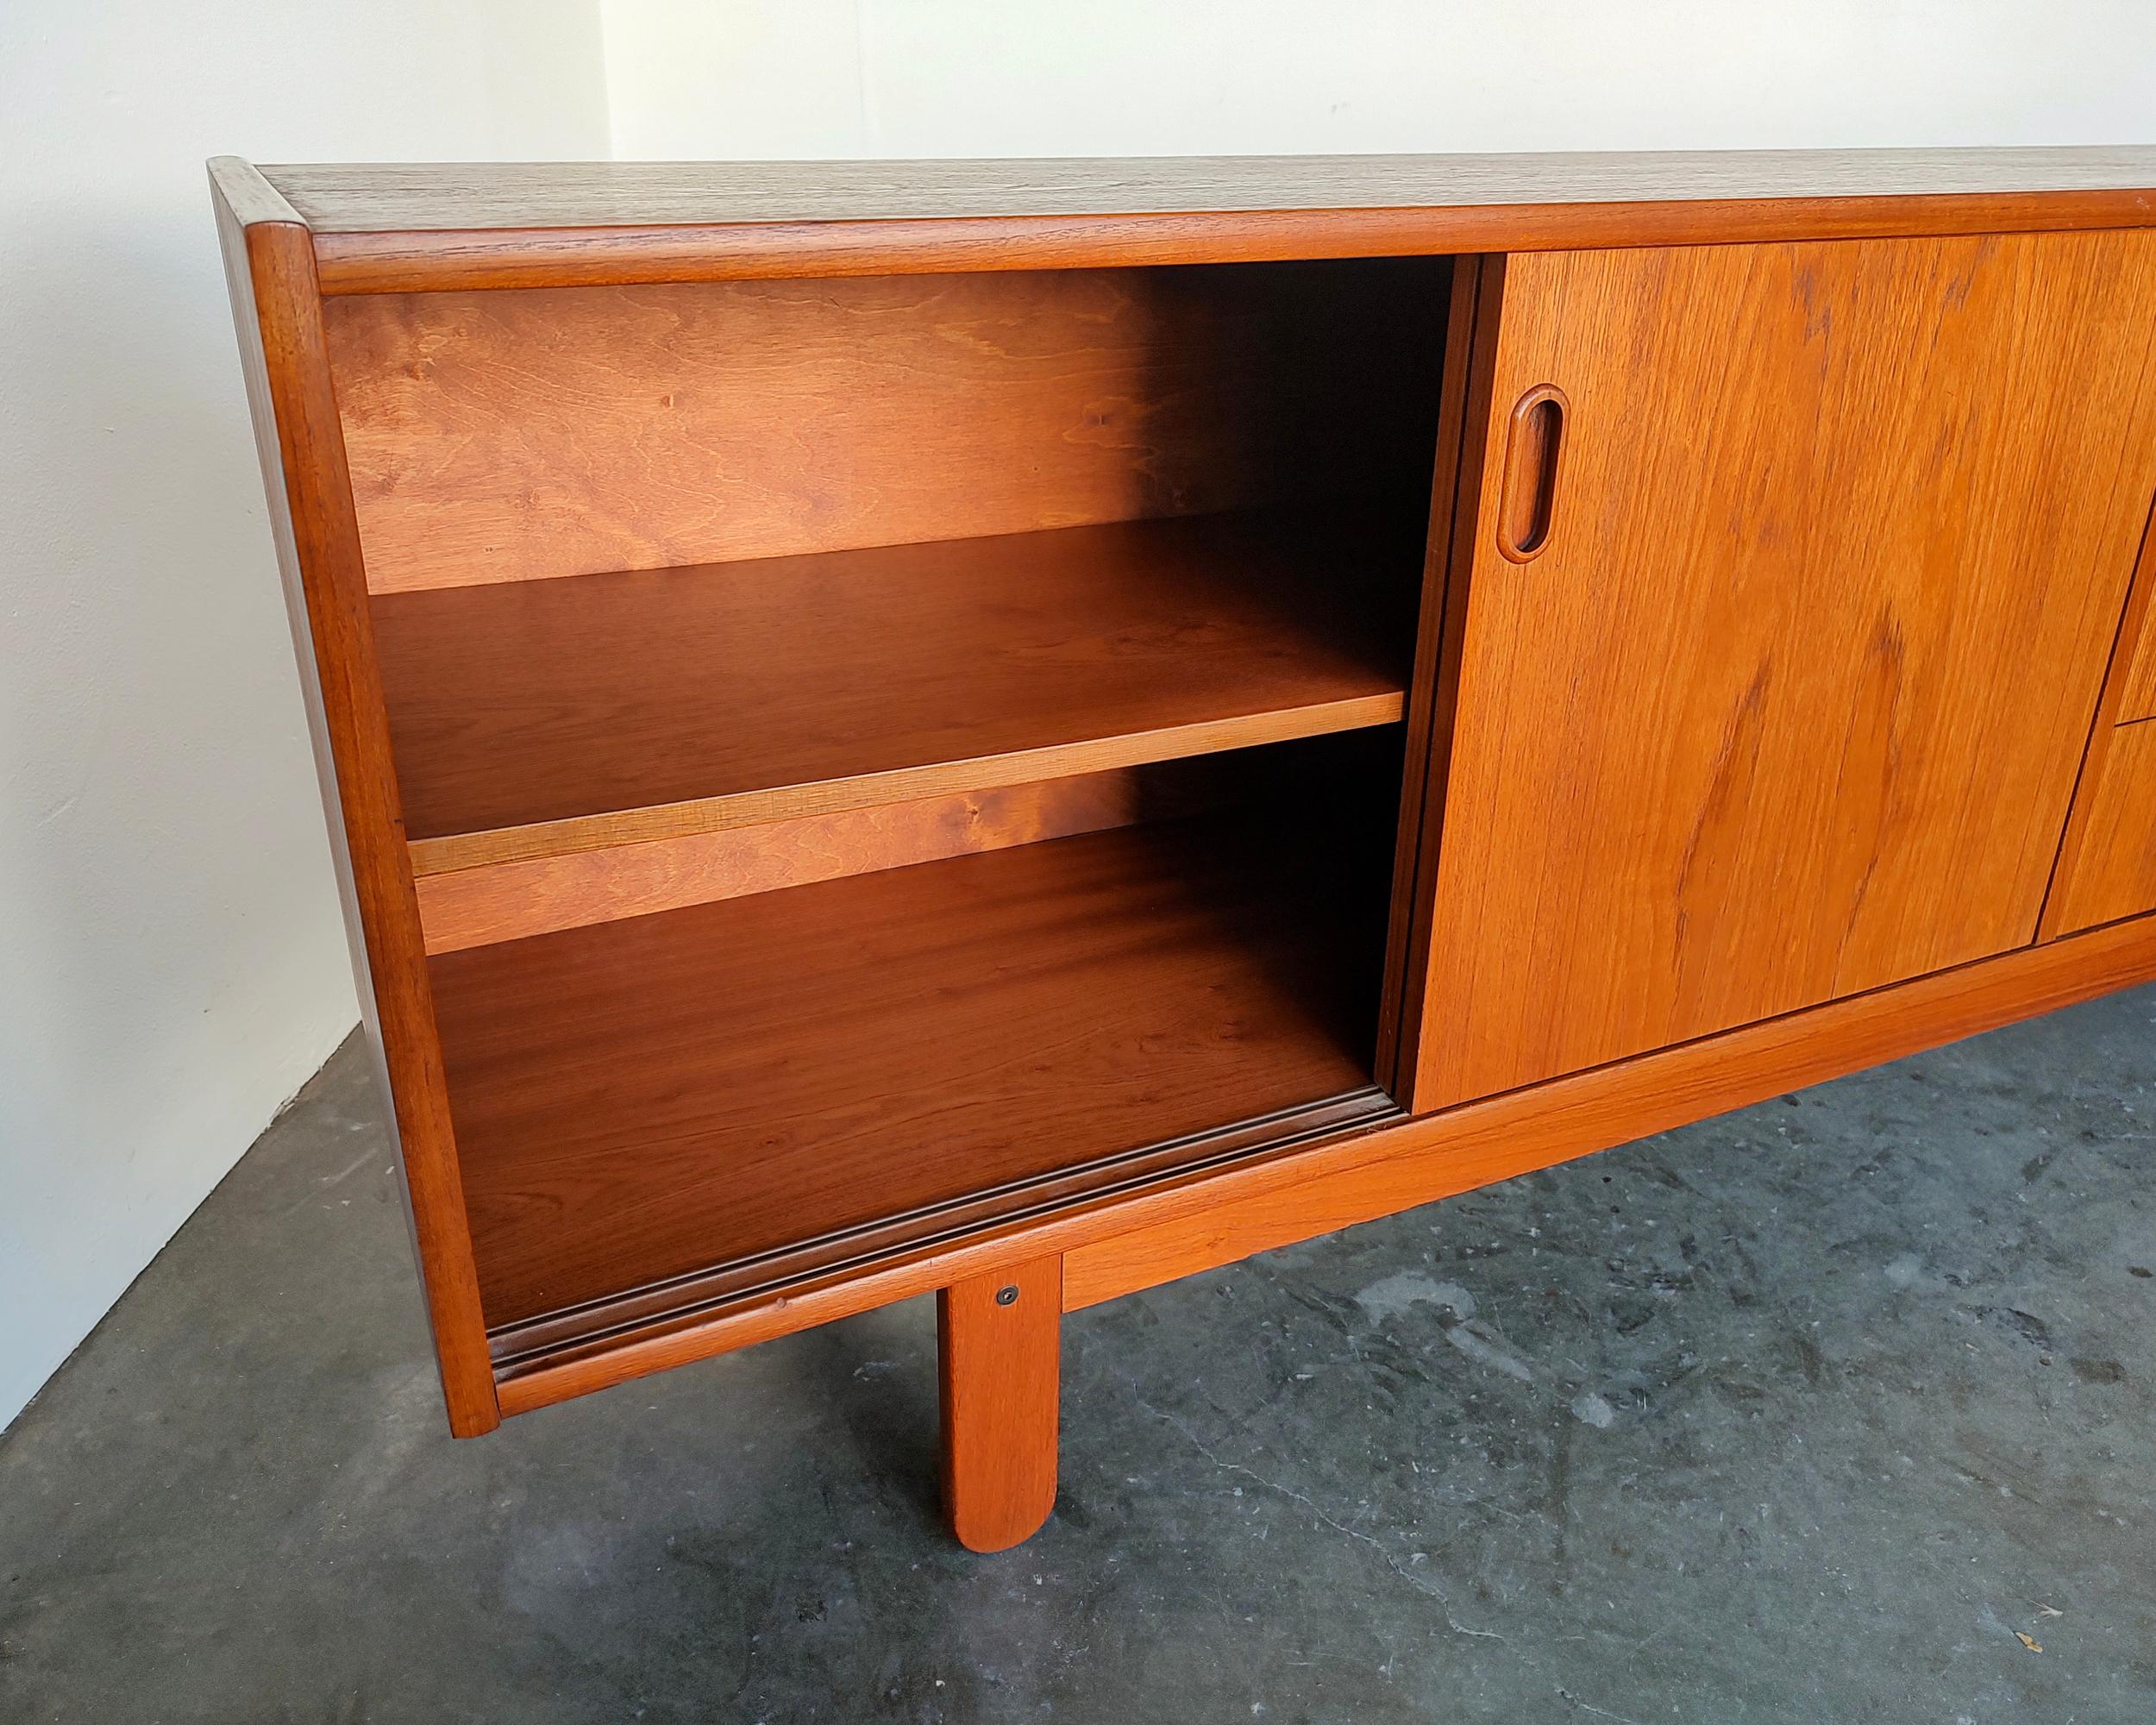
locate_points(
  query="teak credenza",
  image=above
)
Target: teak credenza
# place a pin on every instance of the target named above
(1024, 729)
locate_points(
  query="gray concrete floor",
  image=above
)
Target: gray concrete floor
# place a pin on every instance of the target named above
(1808, 1414)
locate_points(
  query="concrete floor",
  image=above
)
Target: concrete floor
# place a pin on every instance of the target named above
(1807, 1414)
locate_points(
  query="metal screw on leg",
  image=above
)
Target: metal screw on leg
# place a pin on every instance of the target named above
(1007, 1296)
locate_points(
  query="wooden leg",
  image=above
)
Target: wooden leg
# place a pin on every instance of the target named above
(998, 1337)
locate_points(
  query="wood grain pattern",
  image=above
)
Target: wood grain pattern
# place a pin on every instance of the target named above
(2107, 860)
(1807, 728)
(269, 268)
(390, 198)
(2137, 691)
(638, 1101)
(508, 900)
(773, 1282)
(501, 436)
(1448, 553)
(2113, 871)
(2104, 869)
(417, 228)
(1360, 1174)
(536, 718)
(1439, 1156)
(998, 1346)
(1792, 704)
(243, 198)
(2138, 700)
(533, 258)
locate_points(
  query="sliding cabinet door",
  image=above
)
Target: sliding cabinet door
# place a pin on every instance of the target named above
(1779, 604)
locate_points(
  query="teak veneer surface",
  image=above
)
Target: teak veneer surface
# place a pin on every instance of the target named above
(1435, 1155)
(1792, 704)
(2112, 872)
(1789, 706)
(645, 1098)
(798, 684)
(1178, 1228)
(2107, 864)
(1476, 292)
(2137, 690)
(427, 230)
(539, 894)
(2138, 699)
(276, 301)
(501, 436)
(998, 1342)
(390, 198)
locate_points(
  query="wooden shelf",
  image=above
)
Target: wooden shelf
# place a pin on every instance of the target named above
(536, 718)
(655, 1112)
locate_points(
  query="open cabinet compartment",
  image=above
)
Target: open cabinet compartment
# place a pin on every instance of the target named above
(885, 756)
(691, 1105)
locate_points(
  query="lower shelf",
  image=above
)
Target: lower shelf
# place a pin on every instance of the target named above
(665, 1110)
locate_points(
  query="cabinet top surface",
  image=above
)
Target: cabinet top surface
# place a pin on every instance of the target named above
(354, 198)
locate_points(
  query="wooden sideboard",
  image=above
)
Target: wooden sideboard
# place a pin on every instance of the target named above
(1025, 729)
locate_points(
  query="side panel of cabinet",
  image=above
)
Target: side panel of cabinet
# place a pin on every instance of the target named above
(1791, 701)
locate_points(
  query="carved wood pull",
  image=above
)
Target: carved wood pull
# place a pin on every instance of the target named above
(1534, 442)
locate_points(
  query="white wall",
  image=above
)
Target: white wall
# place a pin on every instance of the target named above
(934, 78)
(172, 961)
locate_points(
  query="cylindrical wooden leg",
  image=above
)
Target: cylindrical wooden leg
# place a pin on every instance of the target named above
(1000, 1336)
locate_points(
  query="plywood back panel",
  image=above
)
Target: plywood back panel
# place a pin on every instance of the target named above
(503, 436)
(537, 895)
(496, 901)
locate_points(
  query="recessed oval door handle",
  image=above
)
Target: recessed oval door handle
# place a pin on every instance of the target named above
(1534, 442)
